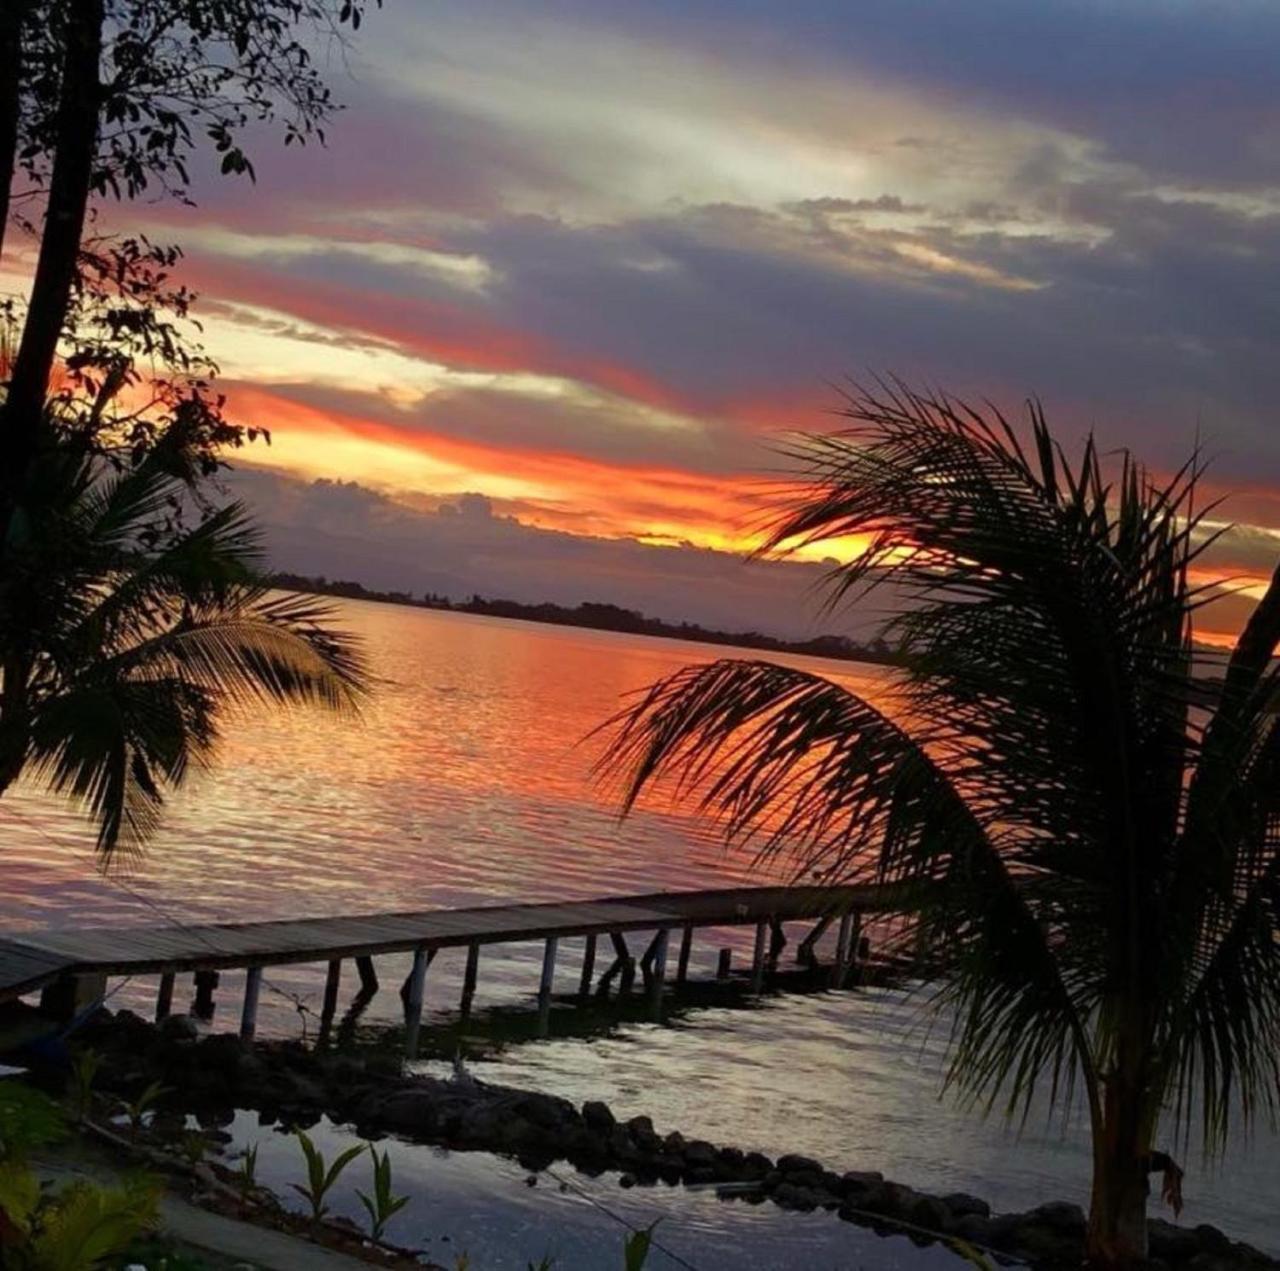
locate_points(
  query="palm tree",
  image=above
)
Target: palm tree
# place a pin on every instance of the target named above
(1088, 830)
(125, 637)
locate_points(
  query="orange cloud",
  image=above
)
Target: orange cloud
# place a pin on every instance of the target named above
(556, 489)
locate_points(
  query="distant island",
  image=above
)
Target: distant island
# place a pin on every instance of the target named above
(597, 615)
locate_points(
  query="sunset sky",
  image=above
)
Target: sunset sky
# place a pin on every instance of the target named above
(587, 259)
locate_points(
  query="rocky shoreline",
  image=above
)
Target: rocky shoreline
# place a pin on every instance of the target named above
(290, 1085)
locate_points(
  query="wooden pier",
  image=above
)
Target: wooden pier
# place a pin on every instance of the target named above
(72, 966)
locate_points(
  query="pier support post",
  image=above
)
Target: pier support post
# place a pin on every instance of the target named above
(332, 982)
(548, 967)
(368, 976)
(806, 950)
(206, 982)
(249, 1013)
(588, 967)
(413, 1001)
(659, 972)
(70, 995)
(723, 963)
(686, 947)
(623, 963)
(758, 956)
(846, 943)
(649, 957)
(777, 942)
(545, 983)
(164, 998)
(469, 978)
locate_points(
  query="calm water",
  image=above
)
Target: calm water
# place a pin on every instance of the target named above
(468, 782)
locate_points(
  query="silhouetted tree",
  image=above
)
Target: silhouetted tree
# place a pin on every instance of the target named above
(1095, 861)
(112, 97)
(124, 648)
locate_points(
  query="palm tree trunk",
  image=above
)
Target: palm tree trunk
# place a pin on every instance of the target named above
(69, 186)
(1117, 1234)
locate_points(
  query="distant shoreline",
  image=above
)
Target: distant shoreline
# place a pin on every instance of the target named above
(597, 616)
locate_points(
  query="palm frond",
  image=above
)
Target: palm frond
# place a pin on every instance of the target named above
(788, 762)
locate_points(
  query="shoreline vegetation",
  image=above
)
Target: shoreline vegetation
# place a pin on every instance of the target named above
(596, 616)
(292, 1087)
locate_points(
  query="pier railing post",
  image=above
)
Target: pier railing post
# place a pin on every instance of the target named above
(249, 1013)
(413, 1002)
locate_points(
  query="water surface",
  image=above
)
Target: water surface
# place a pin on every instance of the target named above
(467, 782)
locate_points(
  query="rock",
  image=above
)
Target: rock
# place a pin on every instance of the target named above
(1002, 1230)
(598, 1116)
(622, 1146)
(1211, 1240)
(756, 1165)
(892, 1200)
(484, 1124)
(547, 1110)
(641, 1125)
(1045, 1247)
(962, 1205)
(1205, 1261)
(1171, 1243)
(299, 1089)
(793, 1164)
(1058, 1216)
(930, 1213)
(731, 1163)
(179, 1028)
(814, 1179)
(411, 1112)
(855, 1182)
(674, 1143)
(627, 1180)
(700, 1152)
(789, 1196)
(976, 1228)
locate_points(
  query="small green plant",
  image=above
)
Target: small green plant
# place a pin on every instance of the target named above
(545, 1265)
(137, 1109)
(247, 1172)
(83, 1225)
(72, 1228)
(462, 1262)
(637, 1246)
(84, 1069)
(972, 1256)
(194, 1146)
(319, 1179)
(28, 1119)
(383, 1206)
